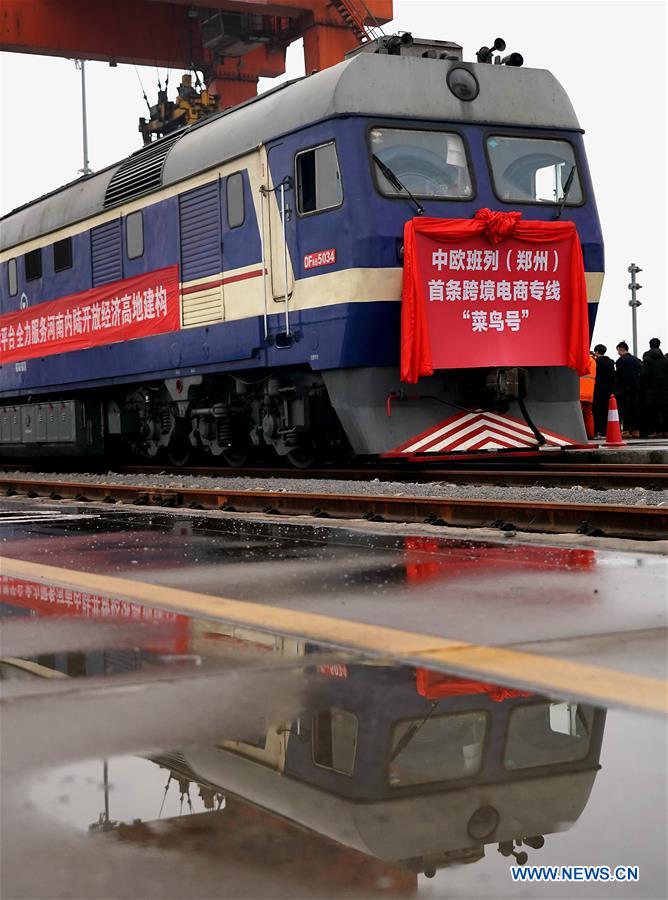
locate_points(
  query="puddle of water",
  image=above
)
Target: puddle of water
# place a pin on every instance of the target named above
(147, 753)
(319, 775)
(290, 564)
(469, 590)
(464, 834)
(104, 541)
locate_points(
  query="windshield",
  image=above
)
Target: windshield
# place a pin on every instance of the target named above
(428, 163)
(441, 749)
(533, 170)
(543, 734)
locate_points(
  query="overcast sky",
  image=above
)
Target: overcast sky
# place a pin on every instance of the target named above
(610, 55)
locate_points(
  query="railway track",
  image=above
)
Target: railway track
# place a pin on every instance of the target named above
(601, 519)
(601, 476)
(598, 476)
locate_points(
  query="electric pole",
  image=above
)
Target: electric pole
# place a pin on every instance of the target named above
(81, 65)
(634, 303)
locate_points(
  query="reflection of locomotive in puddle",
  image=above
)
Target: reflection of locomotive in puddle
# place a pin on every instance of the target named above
(410, 766)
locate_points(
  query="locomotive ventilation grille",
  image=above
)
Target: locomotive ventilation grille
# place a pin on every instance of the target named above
(141, 173)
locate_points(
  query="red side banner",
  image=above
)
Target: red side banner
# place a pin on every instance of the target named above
(120, 311)
(492, 291)
(48, 600)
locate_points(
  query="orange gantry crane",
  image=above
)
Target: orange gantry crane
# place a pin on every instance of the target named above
(233, 42)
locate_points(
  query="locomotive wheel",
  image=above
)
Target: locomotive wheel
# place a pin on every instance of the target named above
(235, 459)
(301, 457)
(180, 451)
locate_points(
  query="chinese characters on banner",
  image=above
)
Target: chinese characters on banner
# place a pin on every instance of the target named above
(48, 600)
(475, 298)
(121, 311)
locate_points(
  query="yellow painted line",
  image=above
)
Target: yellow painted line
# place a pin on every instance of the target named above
(549, 674)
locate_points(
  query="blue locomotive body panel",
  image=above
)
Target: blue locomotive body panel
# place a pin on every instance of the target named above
(365, 230)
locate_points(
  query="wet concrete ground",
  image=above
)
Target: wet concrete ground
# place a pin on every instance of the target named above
(575, 602)
(150, 753)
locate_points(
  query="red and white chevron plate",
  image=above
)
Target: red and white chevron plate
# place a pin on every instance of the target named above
(478, 430)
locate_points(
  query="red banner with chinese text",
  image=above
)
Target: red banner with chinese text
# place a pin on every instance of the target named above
(44, 599)
(121, 311)
(492, 291)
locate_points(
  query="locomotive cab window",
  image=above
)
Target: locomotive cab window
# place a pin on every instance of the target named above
(62, 255)
(335, 740)
(318, 179)
(234, 191)
(431, 164)
(533, 170)
(544, 734)
(33, 264)
(437, 748)
(12, 278)
(134, 235)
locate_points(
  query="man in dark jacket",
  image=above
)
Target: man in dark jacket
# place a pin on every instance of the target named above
(628, 384)
(603, 388)
(654, 390)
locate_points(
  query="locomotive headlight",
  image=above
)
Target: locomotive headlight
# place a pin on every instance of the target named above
(483, 823)
(463, 84)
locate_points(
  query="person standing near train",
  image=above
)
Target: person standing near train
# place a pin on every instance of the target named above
(603, 388)
(654, 390)
(628, 386)
(587, 386)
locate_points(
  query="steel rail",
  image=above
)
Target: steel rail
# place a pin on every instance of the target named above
(602, 476)
(645, 522)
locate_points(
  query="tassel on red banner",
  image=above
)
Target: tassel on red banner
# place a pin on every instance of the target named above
(498, 225)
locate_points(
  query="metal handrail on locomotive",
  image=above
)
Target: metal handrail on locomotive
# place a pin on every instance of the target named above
(236, 286)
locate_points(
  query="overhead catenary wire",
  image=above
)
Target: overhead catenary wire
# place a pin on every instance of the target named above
(143, 91)
(169, 780)
(141, 85)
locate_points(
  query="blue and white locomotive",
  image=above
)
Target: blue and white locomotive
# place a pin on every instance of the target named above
(285, 219)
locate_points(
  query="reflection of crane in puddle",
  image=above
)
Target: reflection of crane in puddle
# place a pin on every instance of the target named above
(104, 822)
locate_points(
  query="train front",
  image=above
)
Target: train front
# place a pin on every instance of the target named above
(475, 181)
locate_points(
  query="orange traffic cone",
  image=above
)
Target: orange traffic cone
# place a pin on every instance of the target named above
(613, 435)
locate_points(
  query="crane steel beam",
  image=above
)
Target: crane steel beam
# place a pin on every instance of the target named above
(166, 33)
(143, 33)
(248, 42)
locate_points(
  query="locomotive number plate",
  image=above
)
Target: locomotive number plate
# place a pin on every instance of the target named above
(334, 670)
(321, 258)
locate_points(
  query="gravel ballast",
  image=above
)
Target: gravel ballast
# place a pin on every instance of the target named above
(377, 488)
